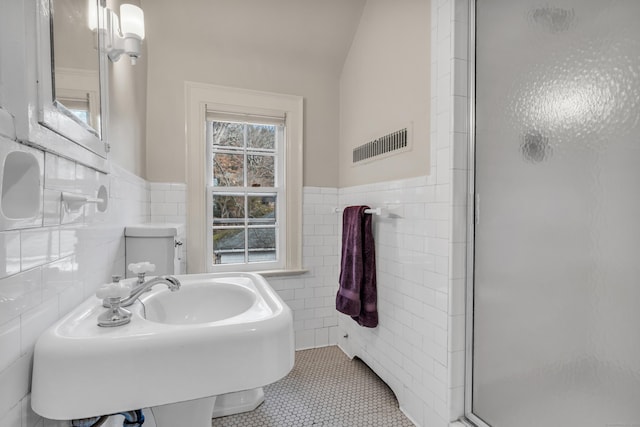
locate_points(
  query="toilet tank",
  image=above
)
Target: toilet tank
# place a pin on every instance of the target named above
(160, 244)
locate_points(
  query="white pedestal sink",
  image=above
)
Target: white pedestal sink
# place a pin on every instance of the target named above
(218, 334)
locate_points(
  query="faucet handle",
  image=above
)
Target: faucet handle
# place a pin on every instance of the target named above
(142, 267)
(112, 294)
(115, 290)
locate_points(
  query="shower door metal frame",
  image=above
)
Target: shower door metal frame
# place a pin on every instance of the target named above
(473, 202)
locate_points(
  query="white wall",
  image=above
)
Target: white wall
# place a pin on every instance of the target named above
(168, 204)
(248, 45)
(384, 86)
(311, 296)
(127, 130)
(408, 349)
(418, 347)
(45, 271)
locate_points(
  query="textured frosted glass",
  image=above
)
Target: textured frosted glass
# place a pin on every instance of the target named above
(557, 257)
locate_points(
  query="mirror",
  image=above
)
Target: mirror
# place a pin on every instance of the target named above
(75, 61)
(72, 85)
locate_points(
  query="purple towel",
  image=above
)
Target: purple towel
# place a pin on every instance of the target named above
(357, 295)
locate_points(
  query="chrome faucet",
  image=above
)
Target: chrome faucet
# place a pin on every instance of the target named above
(172, 283)
(117, 295)
(140, 287)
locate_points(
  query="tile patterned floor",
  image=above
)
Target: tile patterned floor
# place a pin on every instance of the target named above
(324, 388)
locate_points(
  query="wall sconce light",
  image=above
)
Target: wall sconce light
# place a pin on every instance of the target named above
(125, 35)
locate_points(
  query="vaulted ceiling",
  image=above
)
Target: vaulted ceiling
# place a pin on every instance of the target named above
(312, 31)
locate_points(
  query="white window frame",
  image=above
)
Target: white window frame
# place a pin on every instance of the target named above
(200, 97)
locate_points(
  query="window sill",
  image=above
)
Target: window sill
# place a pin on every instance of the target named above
(282, 273)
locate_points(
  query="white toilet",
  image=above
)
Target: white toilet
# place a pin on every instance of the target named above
(159, 244)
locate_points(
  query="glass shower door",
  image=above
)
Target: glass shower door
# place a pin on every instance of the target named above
(556, 313)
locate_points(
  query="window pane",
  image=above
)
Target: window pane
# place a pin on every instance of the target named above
(228, 134)
(228, 170)
(262, 209)
(228, 210)
(260, 171)
(262, 244)
(228, 246)
(261, 136)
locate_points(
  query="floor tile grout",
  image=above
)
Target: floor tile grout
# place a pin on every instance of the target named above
(324, 388)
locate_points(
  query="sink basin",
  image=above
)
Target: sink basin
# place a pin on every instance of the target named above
(220, 333)
(199, 303)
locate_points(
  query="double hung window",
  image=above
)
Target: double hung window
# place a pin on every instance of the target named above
(244, 180)
(246, 197)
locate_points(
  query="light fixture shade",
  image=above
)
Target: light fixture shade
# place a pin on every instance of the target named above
(131, 20)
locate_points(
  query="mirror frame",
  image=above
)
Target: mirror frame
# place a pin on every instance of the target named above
(51, 113)
(25, 87)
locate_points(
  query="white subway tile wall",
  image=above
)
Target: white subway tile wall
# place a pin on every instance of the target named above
(47, 270)
(169, 205)
(418, 347)
(168, 202)
(408, 349)
(311, 296)
(9, 253)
